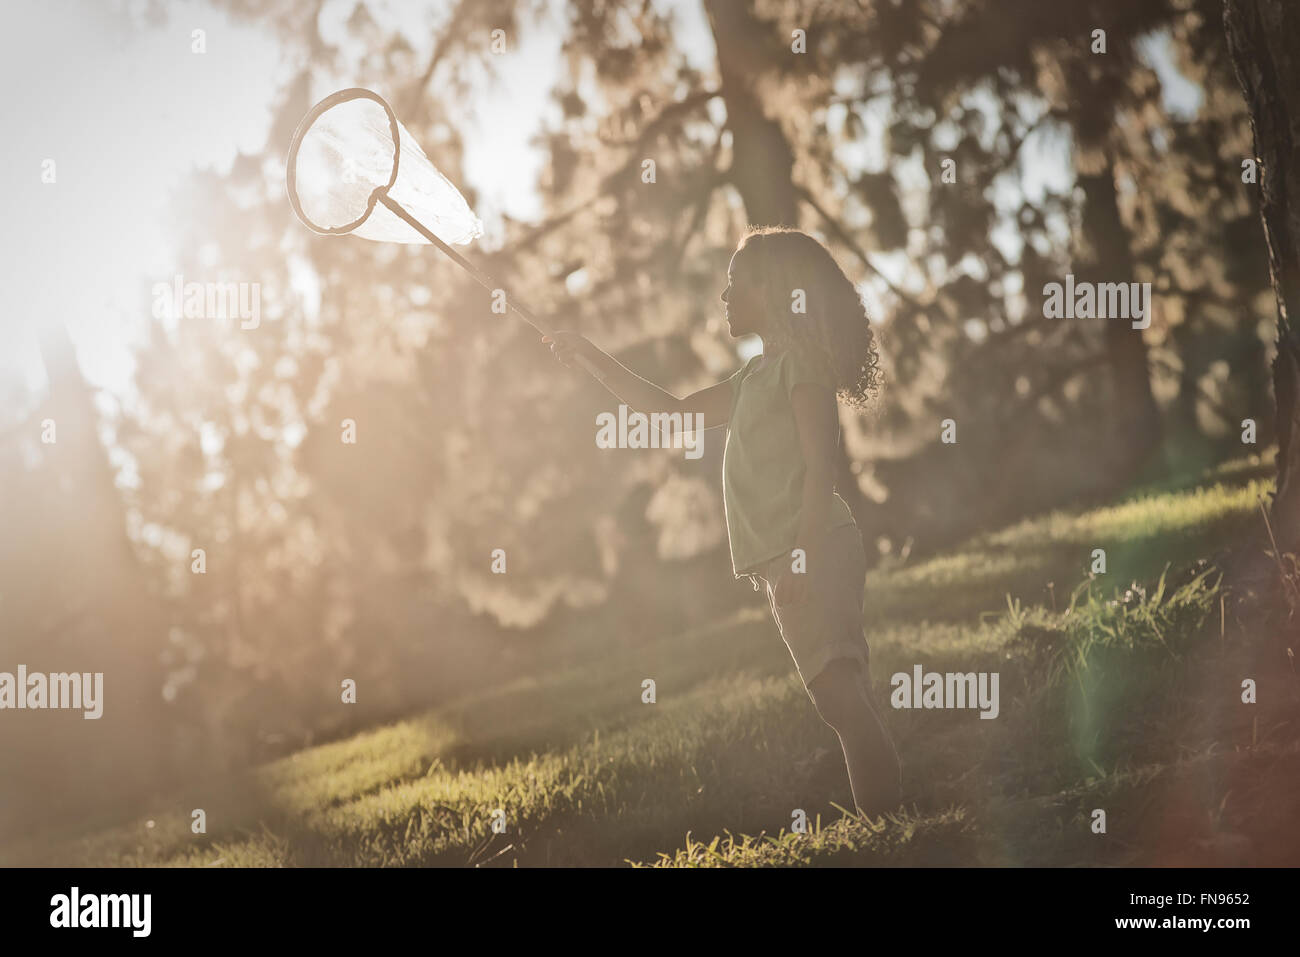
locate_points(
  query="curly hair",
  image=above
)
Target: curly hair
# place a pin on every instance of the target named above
(833, 327)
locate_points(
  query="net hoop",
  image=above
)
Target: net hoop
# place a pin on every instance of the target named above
(291, 169)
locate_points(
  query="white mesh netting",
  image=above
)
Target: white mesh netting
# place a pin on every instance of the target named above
(348, 152)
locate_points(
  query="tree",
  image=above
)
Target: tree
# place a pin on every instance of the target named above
(1264, 38)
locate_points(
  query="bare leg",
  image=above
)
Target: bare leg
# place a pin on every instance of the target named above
(842, 696)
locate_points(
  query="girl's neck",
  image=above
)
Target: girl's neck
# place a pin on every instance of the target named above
(770, 350)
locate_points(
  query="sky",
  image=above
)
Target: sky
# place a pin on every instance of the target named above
(125, 112)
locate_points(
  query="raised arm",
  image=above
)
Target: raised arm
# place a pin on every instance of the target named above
(642, 395)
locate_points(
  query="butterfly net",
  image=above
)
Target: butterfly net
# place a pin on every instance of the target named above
(348, 152)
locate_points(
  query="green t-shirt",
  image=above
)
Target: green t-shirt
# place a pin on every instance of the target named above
(763, 465)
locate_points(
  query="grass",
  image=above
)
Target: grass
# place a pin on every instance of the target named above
(1114, 696)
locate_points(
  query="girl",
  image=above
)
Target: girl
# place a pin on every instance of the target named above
(786, 526)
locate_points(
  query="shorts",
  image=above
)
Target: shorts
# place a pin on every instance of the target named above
(827, 625)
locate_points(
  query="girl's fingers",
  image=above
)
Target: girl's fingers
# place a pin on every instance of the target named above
(564, 346)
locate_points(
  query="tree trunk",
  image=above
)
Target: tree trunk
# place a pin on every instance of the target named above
(1264, 40)
(1109, 259)
(109, 619)
(762, 167)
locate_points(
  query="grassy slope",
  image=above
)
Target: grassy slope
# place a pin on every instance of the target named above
(1130, 707)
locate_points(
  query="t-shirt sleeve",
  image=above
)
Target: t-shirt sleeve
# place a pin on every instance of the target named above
(802, 366)
(735, 380)
(735, 385)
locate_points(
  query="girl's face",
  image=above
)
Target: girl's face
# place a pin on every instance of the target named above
(743, 296)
